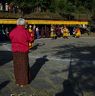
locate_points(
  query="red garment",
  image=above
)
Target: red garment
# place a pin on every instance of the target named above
(32, 35)
(20, 39)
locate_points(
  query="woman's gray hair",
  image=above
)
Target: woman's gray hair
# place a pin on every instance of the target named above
(21, 21)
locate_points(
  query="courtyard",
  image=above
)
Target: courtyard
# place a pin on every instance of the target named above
(60, 67)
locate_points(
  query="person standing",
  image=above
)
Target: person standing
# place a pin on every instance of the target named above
(6, 7)
(32, 36)
(65, 32)
(20, 39)
(1, 7)
(53, 33)
(77, 32)
(37, 33)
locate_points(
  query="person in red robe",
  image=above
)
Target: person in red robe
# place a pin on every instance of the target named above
(20, 39)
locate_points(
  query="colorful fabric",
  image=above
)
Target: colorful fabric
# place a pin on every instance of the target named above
(20, 39)
(30, 45)
(32, 36)
(78, 33)
(52, 35)
(65, 32)
(21, 68)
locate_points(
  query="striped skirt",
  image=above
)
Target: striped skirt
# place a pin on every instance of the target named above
(21, 68)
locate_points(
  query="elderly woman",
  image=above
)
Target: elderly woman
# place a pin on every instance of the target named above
(20, 39)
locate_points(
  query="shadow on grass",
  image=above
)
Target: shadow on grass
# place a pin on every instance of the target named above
(81, 72)
(5, 57)
(37, 66)
(71, 85)
(68, 89)
(3, 84)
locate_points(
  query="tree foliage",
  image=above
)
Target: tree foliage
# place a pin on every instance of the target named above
(59, 6)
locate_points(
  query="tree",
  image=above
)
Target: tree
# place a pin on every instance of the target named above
(43, 4)
(58, 6)
(66, 8)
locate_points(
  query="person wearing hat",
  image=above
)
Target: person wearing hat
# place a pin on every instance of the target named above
(20, 39)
